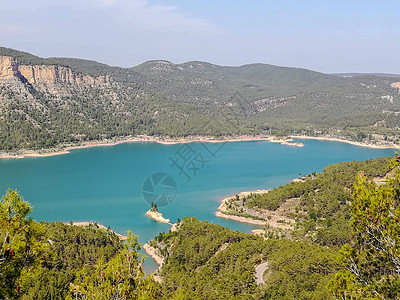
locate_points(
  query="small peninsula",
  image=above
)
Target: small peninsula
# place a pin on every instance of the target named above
(156, 215)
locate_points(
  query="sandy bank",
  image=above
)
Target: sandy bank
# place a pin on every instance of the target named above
(65, 149)
(273, 218)
(293, 144)
(241, 194)
(285, 142)
(153, 253)
(381, 145)
(222, 208)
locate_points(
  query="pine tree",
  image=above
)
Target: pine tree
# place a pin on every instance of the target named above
(372, 260)
(22, 244)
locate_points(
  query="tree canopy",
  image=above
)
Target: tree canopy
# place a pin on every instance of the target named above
(372, 259)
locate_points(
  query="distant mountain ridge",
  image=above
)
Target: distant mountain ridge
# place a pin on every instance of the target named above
(49, 101)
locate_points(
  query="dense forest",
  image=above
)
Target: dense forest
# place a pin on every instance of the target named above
(320, 207)
(351, 252)
(159, 98)
(61, 261)
(206, 261)
(344, 245)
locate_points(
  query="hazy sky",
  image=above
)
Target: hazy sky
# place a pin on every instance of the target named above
(327, 36)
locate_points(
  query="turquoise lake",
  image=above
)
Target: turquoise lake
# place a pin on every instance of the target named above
(104, 184)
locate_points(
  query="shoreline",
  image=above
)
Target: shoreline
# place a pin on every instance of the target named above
(152, 252)
(336, 139)
(184, 140)
(158, 217)
(221, 208)
(137, 139)
(159, 260)
(101, 226)
(274, 219)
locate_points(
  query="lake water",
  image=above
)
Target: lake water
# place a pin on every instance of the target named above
(105, 184)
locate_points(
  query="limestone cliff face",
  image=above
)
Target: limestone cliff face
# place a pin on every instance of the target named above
(47, 74)
(396, 85)
(8, 67)
(57, 74)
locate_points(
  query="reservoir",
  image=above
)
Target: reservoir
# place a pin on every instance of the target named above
(106, 184)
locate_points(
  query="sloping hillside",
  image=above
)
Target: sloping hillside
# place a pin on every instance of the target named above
(46, 102)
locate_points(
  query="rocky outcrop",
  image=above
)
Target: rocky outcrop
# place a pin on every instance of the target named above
(396, 85)
(8, 67)
(47, 74)
(157, 216)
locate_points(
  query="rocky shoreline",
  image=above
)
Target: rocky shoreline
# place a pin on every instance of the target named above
(222, 208)
(157, 216)
(275, 219)
(152, 252)
(65, 149)
(378, 145)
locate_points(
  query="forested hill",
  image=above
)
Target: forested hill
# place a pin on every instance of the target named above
(344, 244)
(45, 102)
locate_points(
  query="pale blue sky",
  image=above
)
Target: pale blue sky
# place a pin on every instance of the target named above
(327, 36)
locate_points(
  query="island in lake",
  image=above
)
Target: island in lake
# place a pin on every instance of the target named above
(154, 214)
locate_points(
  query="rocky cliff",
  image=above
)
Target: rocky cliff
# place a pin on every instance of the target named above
(47, 74)
(396, 85)
(8, 67)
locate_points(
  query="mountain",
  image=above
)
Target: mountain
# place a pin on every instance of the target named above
(46, 102)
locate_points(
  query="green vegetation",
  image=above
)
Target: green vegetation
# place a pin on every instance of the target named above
(205, 261)
(372, 259)
(22, 244)
(71, 249)
(160, 98)
(344, 238)
(58, 261)
(323, 212)
(154, 207)
(121, 277)
(242, 214)
(344, 245)
(320, 191)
